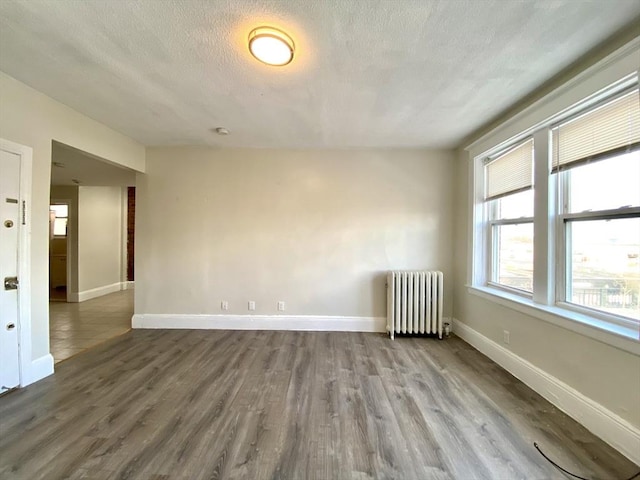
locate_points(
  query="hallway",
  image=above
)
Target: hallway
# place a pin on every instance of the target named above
(75, 327)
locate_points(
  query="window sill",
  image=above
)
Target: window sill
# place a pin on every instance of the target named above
(624, 338)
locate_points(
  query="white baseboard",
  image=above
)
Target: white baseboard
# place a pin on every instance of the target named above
(602, 422)
(95, 292)
(38, 369)
(128, 285)
(261, 322)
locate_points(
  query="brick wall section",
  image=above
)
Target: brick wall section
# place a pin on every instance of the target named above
(131, 228)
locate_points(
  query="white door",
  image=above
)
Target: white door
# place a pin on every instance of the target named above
(9, 225)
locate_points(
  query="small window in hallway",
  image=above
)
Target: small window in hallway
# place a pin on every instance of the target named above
(60, 214)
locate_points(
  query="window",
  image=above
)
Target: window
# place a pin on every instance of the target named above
(573, 243)
(509, 200)
(596, 159)
(60, 214)
(602, 265)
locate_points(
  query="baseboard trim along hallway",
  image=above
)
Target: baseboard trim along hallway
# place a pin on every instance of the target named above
(599, 420)
(96, 292)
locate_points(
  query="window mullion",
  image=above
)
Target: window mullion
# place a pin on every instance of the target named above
(494, 246)
(543, 220)
(562, 234)
(567, 291)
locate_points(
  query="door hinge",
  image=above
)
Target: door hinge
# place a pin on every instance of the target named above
(24, 212)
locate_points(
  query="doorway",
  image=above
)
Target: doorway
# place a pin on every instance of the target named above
(91, 292)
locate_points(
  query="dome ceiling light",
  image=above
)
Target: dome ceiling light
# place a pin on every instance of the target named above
(271, 46)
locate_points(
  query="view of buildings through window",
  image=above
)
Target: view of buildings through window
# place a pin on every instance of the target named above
(603, 255)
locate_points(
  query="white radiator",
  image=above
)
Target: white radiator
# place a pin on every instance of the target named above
(414, 302)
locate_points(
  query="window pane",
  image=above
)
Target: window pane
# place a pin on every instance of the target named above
(606, 184)
(62, 211)
(517, 205)
(60, 227)
(605, 268)
(514, 252)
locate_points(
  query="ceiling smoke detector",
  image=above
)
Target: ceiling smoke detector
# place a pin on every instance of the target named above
(221, 131)
(271, 46)
(58, 164)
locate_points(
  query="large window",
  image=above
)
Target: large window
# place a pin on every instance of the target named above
(573, 243)
(509, 201)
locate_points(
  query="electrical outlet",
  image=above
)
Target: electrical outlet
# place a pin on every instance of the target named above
(224, 305)
(506, 336)
(281, 306)
(252, 305)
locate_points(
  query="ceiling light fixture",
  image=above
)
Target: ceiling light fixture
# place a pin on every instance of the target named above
(221, 131)
(271, 46)
(58, 164)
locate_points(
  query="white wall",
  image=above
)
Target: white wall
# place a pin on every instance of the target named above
(316, 229)
(30, 118)
(594, 381)
(100, 237)
(605, 374)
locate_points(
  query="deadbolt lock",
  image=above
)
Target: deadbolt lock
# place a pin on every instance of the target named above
(8, 223)
(10, 283)
(11, 326)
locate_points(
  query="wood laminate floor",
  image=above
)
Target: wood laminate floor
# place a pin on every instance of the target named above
(181, 404)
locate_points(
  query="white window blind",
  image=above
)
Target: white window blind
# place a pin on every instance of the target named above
(510, 172)
(604, 131)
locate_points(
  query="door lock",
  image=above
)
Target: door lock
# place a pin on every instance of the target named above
(8, 223)
(11, 326)
(10, 283)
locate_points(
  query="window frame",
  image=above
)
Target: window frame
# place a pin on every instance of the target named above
(56, 217)
(564, 218)
(492, 254)
(548, 300)
(492, 220)
(66, 234)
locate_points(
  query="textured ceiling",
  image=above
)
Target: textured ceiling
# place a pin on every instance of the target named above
(367, 73)
(89, 170)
